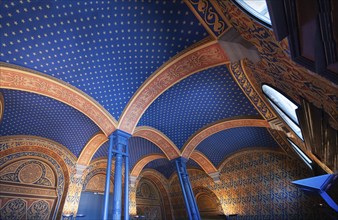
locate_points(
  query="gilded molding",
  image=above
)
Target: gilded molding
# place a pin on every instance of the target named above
(12, 142)
(159, 139)
(16, 78)
(135, 172)
(206, 132)
(203, 161)
(199, 58)
(239, 72)
(27, 190)
(91, 147)
(210, 16)
(2, 106)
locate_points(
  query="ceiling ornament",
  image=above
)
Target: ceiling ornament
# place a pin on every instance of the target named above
(207, 55)
(17, 78)
(210, 16)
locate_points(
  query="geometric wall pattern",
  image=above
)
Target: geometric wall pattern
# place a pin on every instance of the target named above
(255, 185)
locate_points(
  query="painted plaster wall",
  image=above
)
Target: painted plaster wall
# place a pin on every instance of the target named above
(254, 185)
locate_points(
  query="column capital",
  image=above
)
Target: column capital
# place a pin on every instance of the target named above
(120, 137)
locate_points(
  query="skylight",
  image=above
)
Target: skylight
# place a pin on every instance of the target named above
(301, 154)
(257, 8)
(284, 107)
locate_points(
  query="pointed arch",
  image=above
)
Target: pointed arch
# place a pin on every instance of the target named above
(135, 172)
(158, 138)
(206, 132)
(203, 161)
(91, 147)
(201, 56)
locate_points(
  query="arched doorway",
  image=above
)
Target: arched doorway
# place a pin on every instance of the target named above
(149, 202)
(208, 204)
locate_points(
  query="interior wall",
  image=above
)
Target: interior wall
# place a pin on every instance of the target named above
(28, 190)
(254, 185)
(148, 200)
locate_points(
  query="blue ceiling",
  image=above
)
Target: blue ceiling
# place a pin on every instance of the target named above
(138, 148)
(105, 48)
(167, 168)
(226, 142)
(196, 101)
(31, 114)
(108, 49)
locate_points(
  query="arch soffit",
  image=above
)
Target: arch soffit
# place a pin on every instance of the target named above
(203, 55)
(203, 161)
(91, 147)
(206, 132)
(18, 78)
(159, 139)
(144, 161)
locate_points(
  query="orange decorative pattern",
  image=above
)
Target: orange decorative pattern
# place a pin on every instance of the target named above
(144, 161)
(91, 147)
(241, 73)
(210, 16)
(197, 59)
(204, 133)
(12, 77)
(203, 161)
(159, 139)
(12, 142)
(277, 68)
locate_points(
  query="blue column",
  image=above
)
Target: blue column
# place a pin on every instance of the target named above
(118, 146)
(126, 185)
(121, 142)
(108, 172)
(118, 183)
(188, 194)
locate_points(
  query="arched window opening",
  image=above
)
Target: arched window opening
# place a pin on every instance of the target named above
(284, 107)
(257, 9)
(301, 154)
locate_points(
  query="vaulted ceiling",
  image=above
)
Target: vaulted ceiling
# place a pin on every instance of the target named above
(73, 70)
